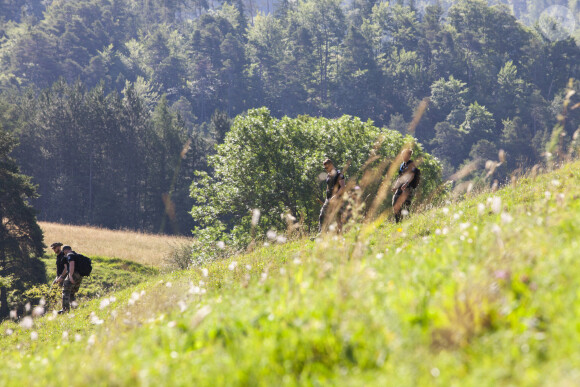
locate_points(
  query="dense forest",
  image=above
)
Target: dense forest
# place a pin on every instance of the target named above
(115, 103)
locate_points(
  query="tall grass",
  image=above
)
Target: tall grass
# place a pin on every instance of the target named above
(483, 292)
(146, 249)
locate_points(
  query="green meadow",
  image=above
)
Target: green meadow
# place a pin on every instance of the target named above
(479, 292)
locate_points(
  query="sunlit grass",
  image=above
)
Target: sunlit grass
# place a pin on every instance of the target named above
(146, 249)
(482, 292)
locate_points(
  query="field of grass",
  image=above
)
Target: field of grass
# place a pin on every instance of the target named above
(483, 292)
(146, 249)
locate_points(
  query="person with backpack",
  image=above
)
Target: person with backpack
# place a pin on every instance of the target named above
(406, 184)
(60, 263)
(335, 184)
(75, 270)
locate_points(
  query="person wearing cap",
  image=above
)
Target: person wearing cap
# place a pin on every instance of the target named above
(72, 280)
(60, 263)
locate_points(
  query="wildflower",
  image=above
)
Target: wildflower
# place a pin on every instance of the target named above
(92, 340)
(496, 229)
(104, 303)
(255, 217)
(445, 231)
(182, 306)
(27, 322)
(78, 337)
(548, 195)
(42, 302)
(438, 232)
(445, 210)
(38, 311)
(506, 218)
(404, 212)
(172, 324)
(204, 272)
(455, 216)
(496, 204)
(480, 208)
(27, 307)
(65, 335)
(13, 314)
(34, 336)
(9, 332)
(555, 183)
(271, 234)
(297, 261)
(380, 256)
(221, 245)
(281, 239)
(232, 266)
(266, 244)
(173, 355)
(435, 372)
(248, 267)
(399, 229)
(464, 226)
(169, 284)
(95, 320)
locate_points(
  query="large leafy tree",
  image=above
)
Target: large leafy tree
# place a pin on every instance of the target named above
(20, 235)
(273, 165)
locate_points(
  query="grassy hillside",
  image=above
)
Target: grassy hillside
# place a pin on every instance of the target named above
(481, 292)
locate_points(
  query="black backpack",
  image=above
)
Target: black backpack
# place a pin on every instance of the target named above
(83, 265)
(416, 179)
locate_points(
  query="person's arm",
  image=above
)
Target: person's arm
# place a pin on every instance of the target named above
(72, 271)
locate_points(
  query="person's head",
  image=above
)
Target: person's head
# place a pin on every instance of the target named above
(328, 165)
(406, 154)
(56, 247)
(66, 249)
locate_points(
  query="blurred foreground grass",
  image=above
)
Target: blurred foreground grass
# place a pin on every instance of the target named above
(481, 292)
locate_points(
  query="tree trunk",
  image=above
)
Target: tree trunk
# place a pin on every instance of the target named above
(4, 312)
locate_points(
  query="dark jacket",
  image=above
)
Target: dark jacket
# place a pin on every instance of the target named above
(61, 262)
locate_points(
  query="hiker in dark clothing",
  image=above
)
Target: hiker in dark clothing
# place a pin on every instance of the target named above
(72, 281)
(405, 186)
(60, 263)
(335, 184)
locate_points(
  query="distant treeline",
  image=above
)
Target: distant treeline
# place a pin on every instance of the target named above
(104, 95)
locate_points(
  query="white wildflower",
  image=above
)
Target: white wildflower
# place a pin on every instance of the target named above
(281, 239)
(464, 226)
(104, 303)
(173, 355)
(27, 307)
(404, 212)
(42, 302)
(271, 234)
(169, 284)
(204, 272)
(34, 336)
(445, 210)
(248, 267)
(182, 306)
(435, 372)
(95, 320)
(496, 204)
(78, 337)
(13, 314)
(172, 324)
(445, 231)
(555, 183)
(221, 245)
(438, 232)
(9, 332)
(455, 216)
(38, 311)
(480, 208)
(92, 340)
(65, 335)
(232, 265)
(506, 218)
(255, 216)
(548, 195)
(380, 256)
(27, 322)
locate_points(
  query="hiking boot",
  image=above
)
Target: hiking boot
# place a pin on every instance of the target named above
(62, 311)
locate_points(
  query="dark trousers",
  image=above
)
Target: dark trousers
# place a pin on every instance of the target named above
(398, 207)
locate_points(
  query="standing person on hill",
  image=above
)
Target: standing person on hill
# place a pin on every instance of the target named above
(72, 280)
(60, 262)
(335, 184)
(406, 184)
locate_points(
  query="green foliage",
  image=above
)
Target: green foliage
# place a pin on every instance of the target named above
(273, 166)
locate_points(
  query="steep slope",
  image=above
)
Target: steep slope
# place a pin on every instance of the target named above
(481, 292)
